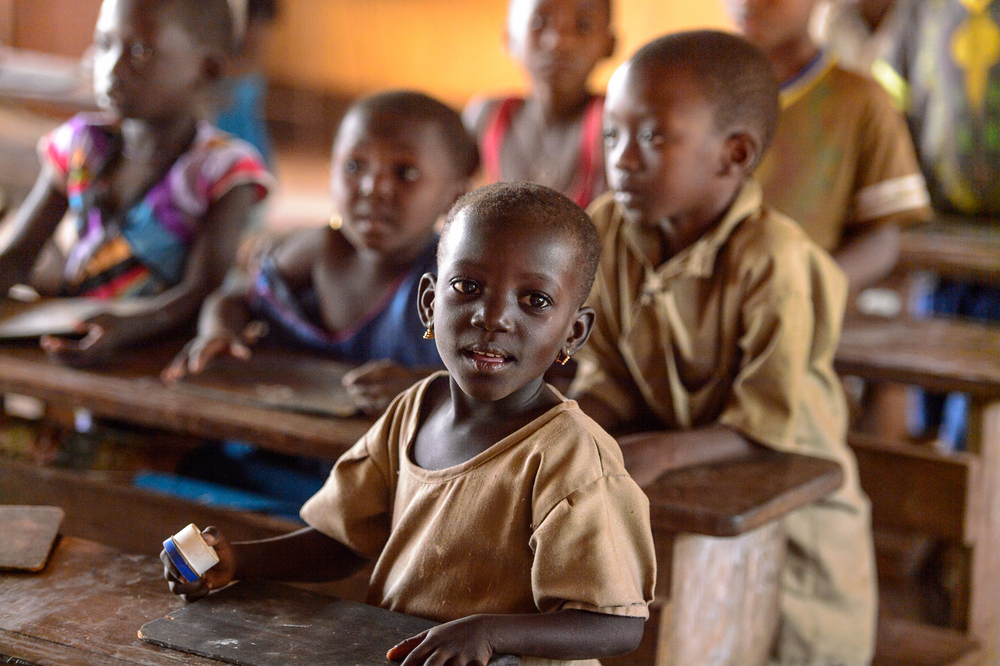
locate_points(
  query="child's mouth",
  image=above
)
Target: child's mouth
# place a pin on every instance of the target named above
(488, 360)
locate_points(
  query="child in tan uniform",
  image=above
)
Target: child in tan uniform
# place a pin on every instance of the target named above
(489, 502)
(717, 318)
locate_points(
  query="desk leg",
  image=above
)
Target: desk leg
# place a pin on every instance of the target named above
(723, 606)
(984, 616)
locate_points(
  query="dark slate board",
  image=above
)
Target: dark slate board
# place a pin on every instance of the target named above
(258, 623)
(276, 379)
(27, 534)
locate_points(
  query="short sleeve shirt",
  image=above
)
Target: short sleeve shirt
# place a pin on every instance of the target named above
(543, 520)
(842, 159)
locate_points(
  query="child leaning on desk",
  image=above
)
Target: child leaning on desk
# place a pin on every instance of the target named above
(489, 502)
(400, 160)
(553, 136)
(717, 318)
(160, 196)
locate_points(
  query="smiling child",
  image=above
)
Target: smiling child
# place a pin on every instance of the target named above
(485, 474)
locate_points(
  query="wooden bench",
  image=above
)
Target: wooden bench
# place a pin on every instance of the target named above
(954, 496)
(965, 249)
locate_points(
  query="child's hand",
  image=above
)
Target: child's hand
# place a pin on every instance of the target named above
(196, 354)
(102, 335)
(218, 576)
(465, 641)
(376, 383)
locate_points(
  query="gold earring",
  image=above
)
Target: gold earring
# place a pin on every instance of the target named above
(562, 358)
(336, 221)
(429, 333)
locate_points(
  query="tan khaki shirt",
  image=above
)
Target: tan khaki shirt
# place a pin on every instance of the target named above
(740, 329)
(545, 519)
(842, 160)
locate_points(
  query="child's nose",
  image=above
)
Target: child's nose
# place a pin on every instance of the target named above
(492, 315)
(625, 155)
(376, 183)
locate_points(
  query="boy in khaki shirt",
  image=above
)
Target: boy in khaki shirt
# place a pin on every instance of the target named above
(717, 318)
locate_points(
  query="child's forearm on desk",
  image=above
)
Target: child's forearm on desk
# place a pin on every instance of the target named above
(306, 556)
(649, 455)
(566, 634)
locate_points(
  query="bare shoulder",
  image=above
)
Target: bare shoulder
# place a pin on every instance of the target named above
(478, 112)
(297, 254)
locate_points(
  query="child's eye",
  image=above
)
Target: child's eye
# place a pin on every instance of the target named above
(650, 137)
(102, 43)
(537, 23)
(537, 301)
(584, 26)
(140, 53)
(351, 166)
(465, 286)
(610, 135)
(410, 174)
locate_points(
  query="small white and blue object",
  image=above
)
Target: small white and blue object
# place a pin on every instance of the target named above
(190, 554)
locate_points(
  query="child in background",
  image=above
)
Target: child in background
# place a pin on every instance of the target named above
(484, 474)
(400, 160)
(552, 137)
(951, 71)
(161, 197)
(859, 33)
(842, 163)
(717, 319)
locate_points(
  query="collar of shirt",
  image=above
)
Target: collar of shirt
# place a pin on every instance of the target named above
(698, 260)
(796, 87)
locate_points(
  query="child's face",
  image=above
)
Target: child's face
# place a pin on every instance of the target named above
(502, 305)
(769, 24)
(559, 41)
(145, 67)
(390, 180)
(662, 149)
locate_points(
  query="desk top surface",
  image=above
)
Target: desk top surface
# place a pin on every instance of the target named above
(86, 608)
(959, 247)
(940, 354)
(130, 390)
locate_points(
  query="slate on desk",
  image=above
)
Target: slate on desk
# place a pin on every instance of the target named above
(27, 534)
(259, 623)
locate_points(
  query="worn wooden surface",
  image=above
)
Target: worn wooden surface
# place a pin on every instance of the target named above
(96, 509)
(902, 643)
(723, 604)
(85, 608)
(732, 498)
(939, 354)
(964, 249)
(268, 624)
(130, 390)
(27, 534)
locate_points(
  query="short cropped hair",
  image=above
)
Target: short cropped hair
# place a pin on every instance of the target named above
(208, 22)
(734, 75)
(415, 106)
(517, 204)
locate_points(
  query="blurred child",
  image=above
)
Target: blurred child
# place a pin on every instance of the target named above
(552, 137)
(348, 289)
(842, 163)
(717, 318)
(160, 196)
(484, 474)
(859, 33)
(948, 59)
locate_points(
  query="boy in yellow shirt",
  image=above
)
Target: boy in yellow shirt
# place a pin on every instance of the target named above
(717, 318)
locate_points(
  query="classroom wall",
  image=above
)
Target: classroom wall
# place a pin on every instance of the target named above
(449, 48)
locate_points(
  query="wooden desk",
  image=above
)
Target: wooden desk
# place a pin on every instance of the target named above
(85, 608)
(720, 549)
(130, 390)
(951, 496)
(966, 249)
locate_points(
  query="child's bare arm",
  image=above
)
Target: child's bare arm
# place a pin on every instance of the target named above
(304, 556)
(649, 455)
(374, 384)
(869, 256)
(565, 634)
(27, 232)
(137, 319)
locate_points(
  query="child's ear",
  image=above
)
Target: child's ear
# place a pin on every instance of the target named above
(740, 154)
(579, 333)
(425, 299)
